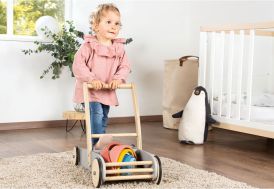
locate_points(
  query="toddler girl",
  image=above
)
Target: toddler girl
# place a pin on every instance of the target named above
(101, 60)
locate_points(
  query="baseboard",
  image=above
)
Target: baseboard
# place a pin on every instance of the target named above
(31, 125)
(62, 123)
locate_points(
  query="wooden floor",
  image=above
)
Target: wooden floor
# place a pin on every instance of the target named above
(237, 156)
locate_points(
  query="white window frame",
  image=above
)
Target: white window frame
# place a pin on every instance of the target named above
(11, 37)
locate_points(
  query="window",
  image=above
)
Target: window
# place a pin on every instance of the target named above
(18, 17)
(26, 12)
(3, 17)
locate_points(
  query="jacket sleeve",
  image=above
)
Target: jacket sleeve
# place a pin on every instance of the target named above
(80, 67)
(123, 69)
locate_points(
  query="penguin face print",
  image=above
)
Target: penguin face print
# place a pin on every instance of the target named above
(198, 90)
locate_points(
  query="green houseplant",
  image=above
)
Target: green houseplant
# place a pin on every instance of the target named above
(62, 46)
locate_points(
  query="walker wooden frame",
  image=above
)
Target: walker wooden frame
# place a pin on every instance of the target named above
(147, 166)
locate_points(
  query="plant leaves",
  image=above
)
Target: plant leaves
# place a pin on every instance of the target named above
(62, 47)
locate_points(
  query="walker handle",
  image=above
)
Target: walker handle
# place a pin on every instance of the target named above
(107, 86)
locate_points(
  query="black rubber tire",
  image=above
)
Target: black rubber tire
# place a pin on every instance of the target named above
(160, 174)
(77, 155)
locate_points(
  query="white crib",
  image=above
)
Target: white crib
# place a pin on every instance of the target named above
(237, 69)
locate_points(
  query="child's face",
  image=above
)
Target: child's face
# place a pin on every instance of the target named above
(109, 26)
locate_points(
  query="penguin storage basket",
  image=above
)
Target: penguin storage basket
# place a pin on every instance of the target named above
(146, 167)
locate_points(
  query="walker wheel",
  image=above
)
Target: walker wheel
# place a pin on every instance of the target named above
(76, 155)
(96, 171)
(159, 178)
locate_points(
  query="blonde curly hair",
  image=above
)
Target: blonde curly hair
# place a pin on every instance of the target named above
(96, 15)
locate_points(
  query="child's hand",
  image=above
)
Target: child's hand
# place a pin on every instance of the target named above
(114, 84)
(97, 84)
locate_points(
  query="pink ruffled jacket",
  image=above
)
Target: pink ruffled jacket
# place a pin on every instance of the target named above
(96, 61)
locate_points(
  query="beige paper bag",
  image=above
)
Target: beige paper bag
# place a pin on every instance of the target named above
(180, 78)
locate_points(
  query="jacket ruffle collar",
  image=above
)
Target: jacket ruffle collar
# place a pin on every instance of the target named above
(114, 50)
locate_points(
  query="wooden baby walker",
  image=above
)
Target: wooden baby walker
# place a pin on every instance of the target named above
(143, 166)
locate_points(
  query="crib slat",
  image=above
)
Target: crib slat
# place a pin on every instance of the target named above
(250, 71)
(202, 58)
(230, 72)
(212, 64)
(222, 49)
(205, 59)
(240, 73)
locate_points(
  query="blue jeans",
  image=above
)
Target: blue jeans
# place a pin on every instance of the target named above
(98, 118)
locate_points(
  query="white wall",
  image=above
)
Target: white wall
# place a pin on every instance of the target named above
(208, 13)
(160, 30)
(25, 97)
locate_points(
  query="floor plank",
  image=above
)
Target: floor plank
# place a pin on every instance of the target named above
(237, 156)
